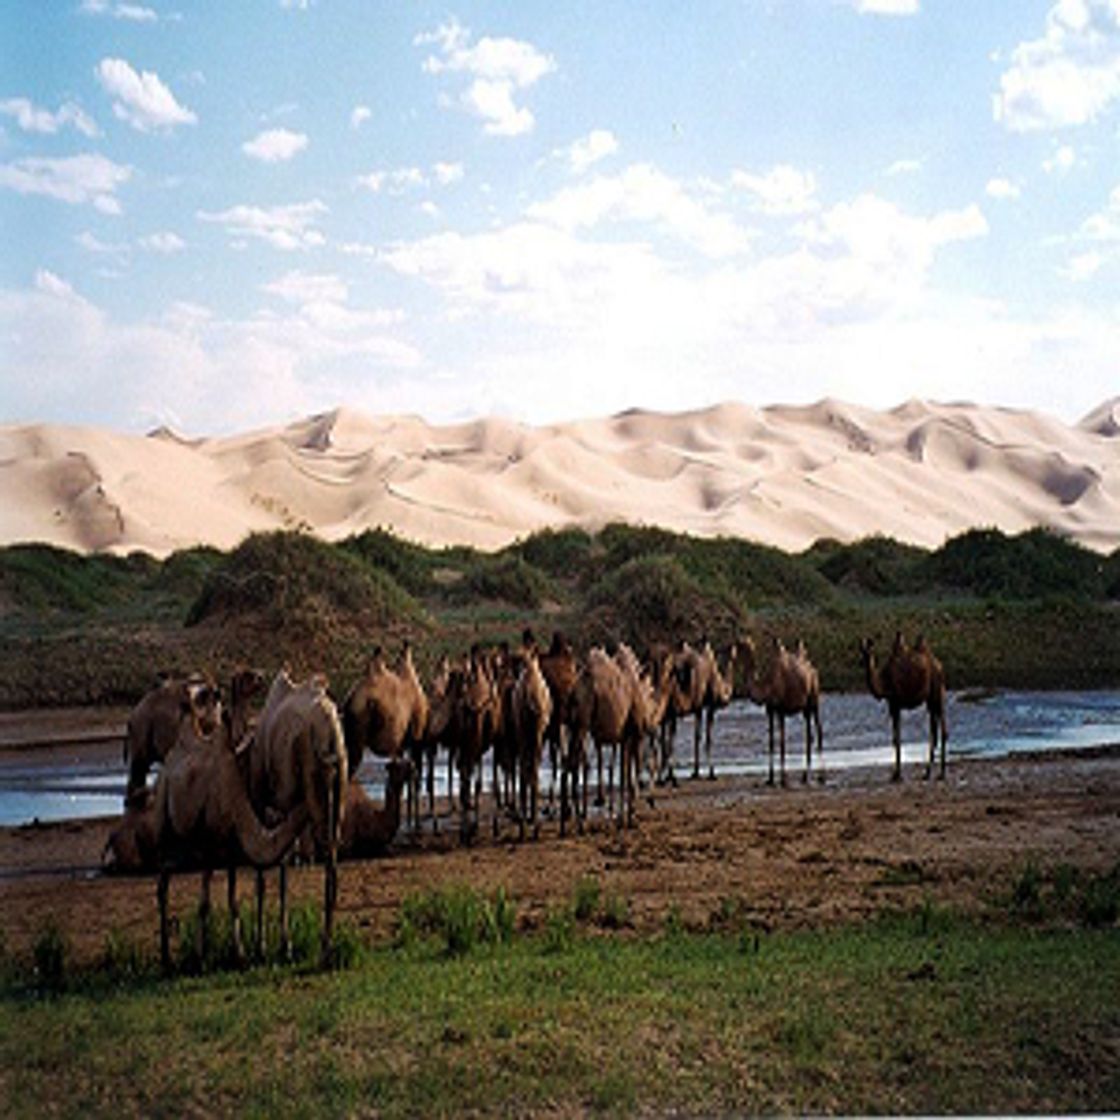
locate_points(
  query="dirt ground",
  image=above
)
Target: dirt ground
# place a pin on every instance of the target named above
(781, 858)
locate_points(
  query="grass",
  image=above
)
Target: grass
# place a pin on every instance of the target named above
(919, 1013)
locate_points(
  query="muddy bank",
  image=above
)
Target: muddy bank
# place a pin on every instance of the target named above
(805, 855)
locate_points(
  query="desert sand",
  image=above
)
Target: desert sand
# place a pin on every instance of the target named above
(781, 475)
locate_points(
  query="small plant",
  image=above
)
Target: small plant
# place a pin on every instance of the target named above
(49, 953)
(123, 960)
(585, 898)
(674, 922)
(458, 916)
(1100, 899)
(616, 912)
(559, 929)
(1026, 892)
(503, 917)
(348, 949)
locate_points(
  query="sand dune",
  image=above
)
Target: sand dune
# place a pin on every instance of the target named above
(783, 475)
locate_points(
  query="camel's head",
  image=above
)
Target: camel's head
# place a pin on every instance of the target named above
(246, 683)
(131, 845)
(866, 650)
(201, 702)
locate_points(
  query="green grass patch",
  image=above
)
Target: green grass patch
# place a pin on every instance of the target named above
(906, 1015)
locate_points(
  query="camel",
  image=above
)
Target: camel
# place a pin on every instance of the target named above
(615, 703)
(199, 815)
(387, 711)
(153, 725)
(475, 717)
(366, 829)
(791, 687)
(531, 710)
(560, 668)
(911, 677)
(297, 756)
(701, 690)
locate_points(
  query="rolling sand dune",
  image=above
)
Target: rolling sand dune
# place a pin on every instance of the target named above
(783, 475)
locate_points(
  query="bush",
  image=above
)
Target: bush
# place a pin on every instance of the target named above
(458, 917)
(874, 566)
(290, 576)
(49, 955)
(40, 577)
(560, 553)
(506, 577)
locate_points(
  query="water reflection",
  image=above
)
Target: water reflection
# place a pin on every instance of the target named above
(62, 784)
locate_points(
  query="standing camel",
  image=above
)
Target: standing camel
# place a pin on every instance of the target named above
(701, 690)
(474, 720)
(153, 725)
(791, 687)
(911, 677)
(387, 711)
(297, 756)
(531, 707)
(560, 668)
(199, 816)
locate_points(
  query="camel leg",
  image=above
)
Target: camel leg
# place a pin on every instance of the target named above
(696, 745)
(610, 779)
(708, 744)
(782, 744)
(944, 738)
(285, 932)
(808, 746)
(202, 944)
(431, 753)
(896, 732)
(534, 798)
(161, 899)
(330, 874)
(599, 801)
(770, 743)
(260, 916)
(234, 915)
(820, 744)
(932, 743)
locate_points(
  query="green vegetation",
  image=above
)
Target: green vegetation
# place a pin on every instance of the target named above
(909, 1013)
(92, 629)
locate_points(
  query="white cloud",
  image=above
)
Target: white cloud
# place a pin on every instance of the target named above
(359, 115)
(283, 227)
(643, 194)
(1061, 161)
(1002, 189)
(134, 13)
(1084, 266)
(302, 287)
(498, 68)
(1105, 225)
(886, 7)
(163, 242)
(447, 173)
(141, 98)
(275, 145)
(589, 149)
(31, 118)
(904, 167)
(93, 244)
(74, 179)
(1070, 75)
(782, 190)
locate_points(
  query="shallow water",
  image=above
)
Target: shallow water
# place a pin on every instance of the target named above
(88, 780)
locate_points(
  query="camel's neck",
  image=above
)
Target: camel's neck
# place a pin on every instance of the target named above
(756, 691)
(874, 677)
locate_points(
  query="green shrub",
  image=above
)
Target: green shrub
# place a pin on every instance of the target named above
(585, 898)
(49, 954)
(123, 960)
(505, 577)
(559, 930)
(560, 553)
(457, 917)
(873, 566)
(40, 577)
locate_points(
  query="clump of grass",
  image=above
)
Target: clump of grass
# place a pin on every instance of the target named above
(559, 930)
(49, 954)
(585, 898)
(616, 912)
(1065, 893)
(458, 917)
(123, 960)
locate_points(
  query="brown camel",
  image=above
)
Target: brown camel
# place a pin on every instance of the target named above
(475, 718)
(702, 689)
(531, 709)
(615, 703)
(368, 830)
(387, 711)
(199, 816)
(297, 756)
(911, 677)
(790, 687)
(153, 725)
(560, 668)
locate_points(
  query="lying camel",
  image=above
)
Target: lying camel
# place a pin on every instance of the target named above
(199, 816)
(387, 711)
(911, 677)
(153, 725)
(297, 756)
(368, 830)
(791, 687)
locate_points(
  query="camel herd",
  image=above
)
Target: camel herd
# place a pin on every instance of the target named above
(233, 789)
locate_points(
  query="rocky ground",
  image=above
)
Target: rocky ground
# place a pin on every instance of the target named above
(776, 858)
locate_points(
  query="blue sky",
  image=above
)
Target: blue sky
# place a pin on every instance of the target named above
(226, 215)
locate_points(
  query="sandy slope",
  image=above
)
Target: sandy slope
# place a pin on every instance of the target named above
(783, 475)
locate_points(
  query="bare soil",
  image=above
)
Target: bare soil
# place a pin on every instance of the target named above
(815, 855)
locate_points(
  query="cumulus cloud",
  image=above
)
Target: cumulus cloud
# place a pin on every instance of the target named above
(1067, 77)
(643, 194)
(782, 190)
(589, 149)
(497, 68)
(283, 227)
(275, 145)
(163, 242)
(1105, 225)
(887, 7)
(403, 179)
(1062, 160)
(88, 178)
(302, 287)
(140, 98)
(31, 118)
(134, 13)
(359, 115)
(447, 173)
(1001, 188)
